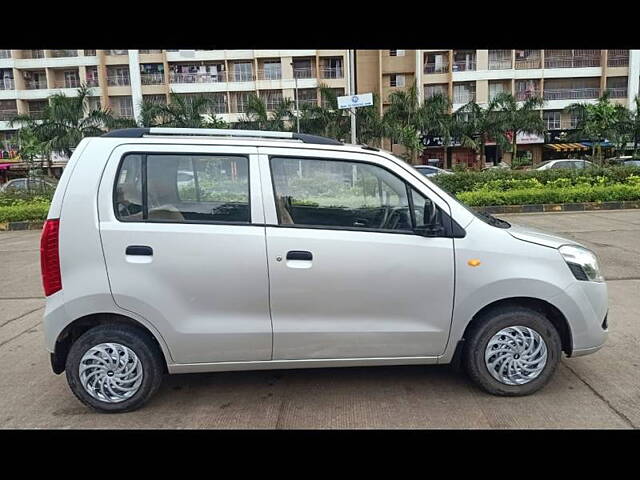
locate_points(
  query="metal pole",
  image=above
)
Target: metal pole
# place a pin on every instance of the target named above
(295, 78)
(352, 85)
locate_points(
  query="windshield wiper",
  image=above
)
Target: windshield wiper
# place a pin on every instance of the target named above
(494, 221)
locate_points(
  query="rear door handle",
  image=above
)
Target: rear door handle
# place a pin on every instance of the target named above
(139, 250)
(299, 255)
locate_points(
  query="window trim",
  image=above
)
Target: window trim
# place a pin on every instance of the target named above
(143, 168)
(451, 230)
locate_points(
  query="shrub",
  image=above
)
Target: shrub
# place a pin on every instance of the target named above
(23, 212)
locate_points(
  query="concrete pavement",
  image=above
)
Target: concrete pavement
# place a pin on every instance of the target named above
(597, 391)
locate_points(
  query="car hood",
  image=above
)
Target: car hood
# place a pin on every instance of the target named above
(539, 237)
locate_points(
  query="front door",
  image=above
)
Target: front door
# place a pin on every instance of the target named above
(184, 243)
(349, 278)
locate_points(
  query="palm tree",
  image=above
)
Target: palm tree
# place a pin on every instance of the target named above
(437, 120)
(326, 120)
(187, 112)
(369, 125)
(403, 121)
(476, 125)
(66, 121)
(257, 116)
(596, 122)
(517, 117)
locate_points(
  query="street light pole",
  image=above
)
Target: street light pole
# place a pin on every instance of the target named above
(352, 87)
(295, 79)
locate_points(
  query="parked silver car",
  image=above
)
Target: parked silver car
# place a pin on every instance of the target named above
(285, 250)
(565, 163)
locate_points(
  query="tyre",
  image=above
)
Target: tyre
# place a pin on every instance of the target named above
(114, 368)
(512, 351)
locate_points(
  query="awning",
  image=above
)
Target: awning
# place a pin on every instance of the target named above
(566, 147)
(6, 166)
(604, 144)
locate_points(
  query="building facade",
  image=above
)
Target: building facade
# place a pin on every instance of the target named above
(121, 79)
(561, 77)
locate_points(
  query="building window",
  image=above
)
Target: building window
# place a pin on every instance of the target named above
(396, 53)
(396, 80)
(302, 68)
(528, 59)
(431, 90)
(436, 62)
(464, 60)
(618, 58)
(332, 68)
(498, 87)
(551, 120)
(500, 59)
(464, 92)
(271, 98)
(118, 76)
(307, 96)
(617, 87)
(272, 70)
(122, 106)
(526, 89)
(94, 103)
(71, 79)
(243, 72)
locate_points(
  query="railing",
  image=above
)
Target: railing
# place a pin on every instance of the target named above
(303, 73)
(618, 92)
(464, 65)
(7, 115)
(35, 84)
(525, 94)
(67, 83)
(218, 108)
(64, 53)
(7, 84)
(123, 112)
(152, 78)
(36, 114)
(528, 63)
(570, 93)
(465, 97)
(33, 54)
(197, 77)
(117, 52)
(571, 62)
(618, 59)
(312, 102)
(89, 53)
(328, 72)
(241, 77)
(92, 82)
(436, 68)
(5, 53)
(145, 52)
(500, 64)
(269, 74)
(118, 81)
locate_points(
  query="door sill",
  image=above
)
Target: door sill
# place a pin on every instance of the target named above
(306, 363)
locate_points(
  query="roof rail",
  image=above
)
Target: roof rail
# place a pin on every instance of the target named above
(220, 132)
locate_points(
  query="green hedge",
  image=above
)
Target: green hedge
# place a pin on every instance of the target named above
(531, 196)
(502, 179)
(24, 211)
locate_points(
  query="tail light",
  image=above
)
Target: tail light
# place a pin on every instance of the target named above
(50, 257)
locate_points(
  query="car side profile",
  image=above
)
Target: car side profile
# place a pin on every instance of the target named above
(428, 170)
(195, 250)
(565, 163)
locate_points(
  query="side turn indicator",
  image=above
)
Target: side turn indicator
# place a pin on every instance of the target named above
(474, 262)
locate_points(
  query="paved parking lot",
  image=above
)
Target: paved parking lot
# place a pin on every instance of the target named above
(596, 391)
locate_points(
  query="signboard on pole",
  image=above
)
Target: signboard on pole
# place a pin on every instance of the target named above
(354, 101)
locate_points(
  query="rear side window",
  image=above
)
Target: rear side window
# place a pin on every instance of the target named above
(183, 188)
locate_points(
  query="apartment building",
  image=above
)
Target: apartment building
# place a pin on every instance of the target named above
(561, 77)
(121, 79)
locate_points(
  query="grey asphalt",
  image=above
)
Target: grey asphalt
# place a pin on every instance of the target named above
(597, 391)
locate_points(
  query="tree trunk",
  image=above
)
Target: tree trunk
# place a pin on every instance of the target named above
(445, 160)
(514, 150)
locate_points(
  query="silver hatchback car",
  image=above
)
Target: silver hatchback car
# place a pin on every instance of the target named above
(178, 250)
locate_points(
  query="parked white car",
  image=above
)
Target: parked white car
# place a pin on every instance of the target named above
(286, 250)
(565, 163)
(428, 170)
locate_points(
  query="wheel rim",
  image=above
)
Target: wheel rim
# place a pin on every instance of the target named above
(110, 372)
(516, 355)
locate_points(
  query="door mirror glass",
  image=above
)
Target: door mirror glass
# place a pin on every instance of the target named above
(428, 216)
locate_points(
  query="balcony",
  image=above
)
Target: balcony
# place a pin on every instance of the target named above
(270, 74)
(464, 97)
(573, 61)
(5, 54)
(528, 63)
(36, 114)
(68, 83)
(329, 72)
(33, 54)
(117, 52)
(436, 68)
(571, 93)
(241, 76)
(197, 77)
(303, 73)
(464, 66)
(500, 64)
(618, 58)
(7, 115)
(64, 53)
(7, 84)
(118, 81)
(152, 78)
(523, 95)
(35, 84)
(146, 52)
(92, 82)
(618, 92)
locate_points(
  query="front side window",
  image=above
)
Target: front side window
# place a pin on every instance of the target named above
(343, 194)
(183, 188)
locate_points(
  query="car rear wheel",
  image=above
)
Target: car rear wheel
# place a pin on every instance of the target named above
(114, 368)
(512, 351)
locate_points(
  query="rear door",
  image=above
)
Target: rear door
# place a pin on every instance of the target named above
(183, 237)
(349, 278)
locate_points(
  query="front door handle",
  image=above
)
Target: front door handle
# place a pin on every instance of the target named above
(299, 255)
(139, 250)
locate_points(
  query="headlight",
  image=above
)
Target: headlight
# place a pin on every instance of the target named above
(582, 262)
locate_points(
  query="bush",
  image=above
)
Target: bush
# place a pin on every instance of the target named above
(473, 180)
(531, 196)
(24, 211)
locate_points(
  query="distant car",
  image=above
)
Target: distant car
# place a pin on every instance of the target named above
(625, 161)
(565, 163)
(28, 184)
(429, 170)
